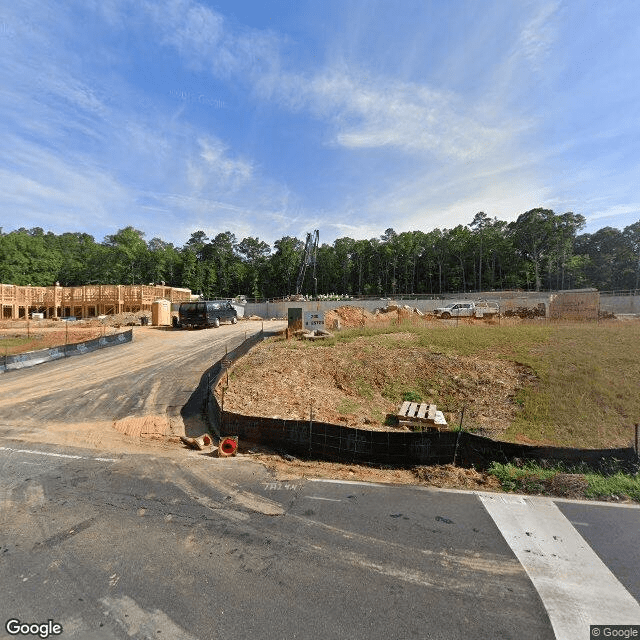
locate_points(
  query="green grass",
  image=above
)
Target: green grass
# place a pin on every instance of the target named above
(619, 484)
(8, 346)
(534, 478)
(527, 479)
(587, 389)
(364, 389)
(411, 396)
(346, 406)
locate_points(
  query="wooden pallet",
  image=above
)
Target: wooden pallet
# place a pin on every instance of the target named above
(413, 414)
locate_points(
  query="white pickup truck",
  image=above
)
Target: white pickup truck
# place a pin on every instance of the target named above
(467, 309)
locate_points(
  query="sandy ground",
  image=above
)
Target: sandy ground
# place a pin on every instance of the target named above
(128, 398)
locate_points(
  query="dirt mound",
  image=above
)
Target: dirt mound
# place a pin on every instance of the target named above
(361, 383)
(348, 317)
(525, 312)
(126, 319)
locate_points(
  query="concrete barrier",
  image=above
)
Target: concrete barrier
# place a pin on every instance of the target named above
(32, 358)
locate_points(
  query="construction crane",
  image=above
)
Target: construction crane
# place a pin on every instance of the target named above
(309, 255)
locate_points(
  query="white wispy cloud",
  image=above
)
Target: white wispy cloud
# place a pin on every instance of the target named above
(539, 34)
(205, 41)
(381, 112)
(367, 111)
(215, 164)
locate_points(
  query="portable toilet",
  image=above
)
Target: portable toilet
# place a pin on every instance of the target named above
(161, 313)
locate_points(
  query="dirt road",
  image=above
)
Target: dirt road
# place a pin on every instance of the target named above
(121, 398)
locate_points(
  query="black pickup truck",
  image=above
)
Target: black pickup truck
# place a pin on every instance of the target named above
(205, 313)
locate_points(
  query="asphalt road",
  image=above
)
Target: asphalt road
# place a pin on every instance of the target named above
(130, 546)
(208, 548)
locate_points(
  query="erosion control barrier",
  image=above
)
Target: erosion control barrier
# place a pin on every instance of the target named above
(310, 439)
(32, 358)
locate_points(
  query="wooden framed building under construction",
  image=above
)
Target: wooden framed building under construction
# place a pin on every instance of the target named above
(83, 302)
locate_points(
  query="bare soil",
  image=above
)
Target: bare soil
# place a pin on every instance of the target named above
(361, 383)
(443, 476)
(135, 397)
(35, 336)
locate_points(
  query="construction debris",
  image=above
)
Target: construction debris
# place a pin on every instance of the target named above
(198, 443)
(317, 334)
(525, 312)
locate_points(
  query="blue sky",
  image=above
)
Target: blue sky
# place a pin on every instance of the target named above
(275, 118)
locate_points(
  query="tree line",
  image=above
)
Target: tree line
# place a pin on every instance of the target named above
(540, 250)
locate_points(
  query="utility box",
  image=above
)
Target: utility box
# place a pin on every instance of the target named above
(161, 313)
(294, 317)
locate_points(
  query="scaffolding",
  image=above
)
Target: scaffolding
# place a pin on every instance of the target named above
(88, 301)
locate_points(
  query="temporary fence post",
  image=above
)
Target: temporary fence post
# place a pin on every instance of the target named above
(455, 451)
(310, 425)
(222, 412)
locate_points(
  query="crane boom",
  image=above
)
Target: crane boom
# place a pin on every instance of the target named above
(309, 257)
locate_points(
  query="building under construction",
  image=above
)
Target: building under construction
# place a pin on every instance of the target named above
(83, 302)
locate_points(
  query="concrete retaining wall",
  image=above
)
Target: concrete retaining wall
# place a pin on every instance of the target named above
(338, 442)
(620, 304)
(32, 358)
(280, 309)
(507, 300)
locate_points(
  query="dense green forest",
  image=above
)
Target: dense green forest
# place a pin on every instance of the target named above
(539, 250)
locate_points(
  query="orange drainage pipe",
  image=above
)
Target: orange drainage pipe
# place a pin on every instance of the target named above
(228, 446)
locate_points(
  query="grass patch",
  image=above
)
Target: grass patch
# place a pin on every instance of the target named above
(530, 478)
(9, 346)
(586, 393)
(396, 391)
(364, 389)
(619, 484)
(536, 478)
(346, 406)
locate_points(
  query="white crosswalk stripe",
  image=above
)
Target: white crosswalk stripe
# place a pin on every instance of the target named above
(575, 586)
